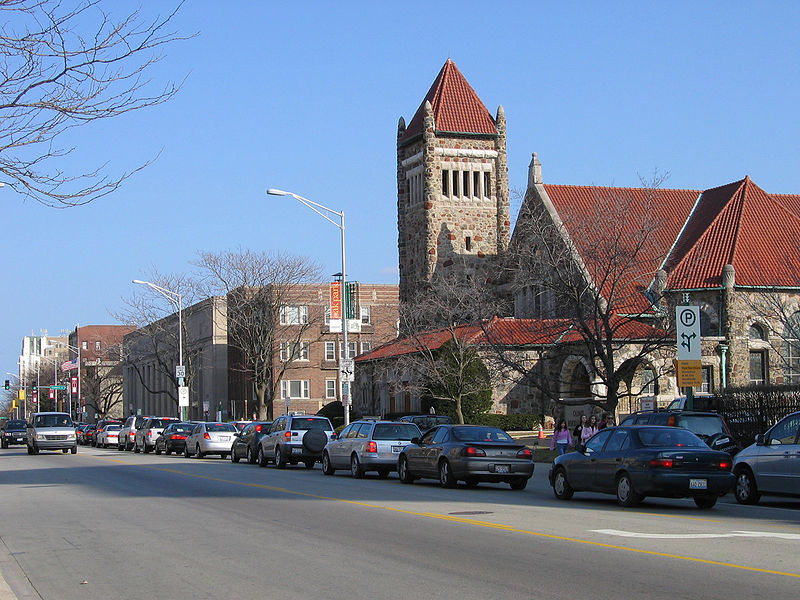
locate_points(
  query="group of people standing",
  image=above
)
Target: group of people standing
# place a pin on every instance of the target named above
(563, 439)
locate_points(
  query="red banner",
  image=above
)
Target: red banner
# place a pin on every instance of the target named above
(336, 300)
(73, 381)
(51, 393)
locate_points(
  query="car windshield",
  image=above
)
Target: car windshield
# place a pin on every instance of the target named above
(161, 422)
(671, 437)
(220, 427)
(302, 424)
(387, 431)
(481, 434)
(52, 421)
(113, 427)
(702, 425)
(240, 426)
(181, 428)
(15, 425)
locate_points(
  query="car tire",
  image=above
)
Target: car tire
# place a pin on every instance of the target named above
(199, 453)
(561, 487)
(135, 448)
(705, 502)
(30, 450)
(518, 484)
(471, 483)
(262, 458)
(383, 473)
(446, 479)
(74, 450)
(314, 441)
(120, 448)
(355, 468)
(186, 451)
(626, 495)
(745, 489)
(250, 458)
(64, 450)
(327, 467)
(167, 451)
(157, 450)
(145, 448)
(234, 458)
(280, 462)
(5, 445)
(403, 472)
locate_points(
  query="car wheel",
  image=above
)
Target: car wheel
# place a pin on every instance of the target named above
(746, 491)
(30, 450)
(250, 458)
(262, 458)
(186, 451)
(626, 496)
(167, 451)
(355, 468)
(446, 478)
(74, 450)
(64, 450)
(518, 484)
(383, 473)
(135, 448)
(234, 458)
(198, 453)
(99, 444)
(120, 447)
(561, 487)
(705, 501)
(280, 462)
(327, 467)
(145, 448)
(5, 445)
(157, 450)
(403, 472)
(471, 483)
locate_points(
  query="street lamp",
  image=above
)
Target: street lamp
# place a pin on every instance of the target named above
(325, 213)
(177, 299)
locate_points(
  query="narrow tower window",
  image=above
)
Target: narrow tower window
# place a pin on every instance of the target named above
(487, 184)
(468, 243)
(465, 191)
(455, 183)
(445, 182)
(476, 184)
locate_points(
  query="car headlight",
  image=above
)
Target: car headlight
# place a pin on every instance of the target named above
(70, 436)
(41, 436)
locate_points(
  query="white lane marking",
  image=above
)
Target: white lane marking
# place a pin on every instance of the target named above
(689, 536)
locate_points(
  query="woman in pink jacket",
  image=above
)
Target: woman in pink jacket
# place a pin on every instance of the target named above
(589, 429)
(562, 438)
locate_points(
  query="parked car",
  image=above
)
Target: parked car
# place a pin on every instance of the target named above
(638, 461)
(368, 446)
(699, 402)
(427, 422)
(127, 435)
(51, 431)
(469, 453)
(708, 426)
(240, 425)
(108, 435)
(144, 439)
(100, 427)
(293, 439)
(13, 432)
(209, 438)
(85, 433)
(88, 435)
(772, 465)
(173, 438)
(245, 444)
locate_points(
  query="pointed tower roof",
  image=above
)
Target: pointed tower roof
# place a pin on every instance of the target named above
(456, 106)
(728, 226)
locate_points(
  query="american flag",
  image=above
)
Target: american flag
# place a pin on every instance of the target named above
(69, 365)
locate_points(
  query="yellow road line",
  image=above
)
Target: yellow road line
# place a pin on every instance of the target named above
(457, 519)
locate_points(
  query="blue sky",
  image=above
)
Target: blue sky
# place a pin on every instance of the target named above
(305, 96)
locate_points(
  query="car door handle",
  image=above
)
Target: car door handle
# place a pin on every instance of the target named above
(618, 459)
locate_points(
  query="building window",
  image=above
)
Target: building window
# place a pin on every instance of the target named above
(352, 348)
(487, 187)
(445, 182)
(758, 368)
(649, 382)
(330, 350)
(327, 316)
(294, 315)
(465, 189)
(294, 389)
(366, 347)
(366, 315)
(476, 183)
(84, 346)
(294, 351)
(330, 388)
(468, 243)
(756, 332)
(791, 350)
(455, 183)
(708, 380)
(97, 346)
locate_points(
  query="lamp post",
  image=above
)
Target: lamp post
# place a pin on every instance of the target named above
(177, 299)
(325, 213)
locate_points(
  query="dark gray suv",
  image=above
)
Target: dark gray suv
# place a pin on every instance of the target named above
(293, 439)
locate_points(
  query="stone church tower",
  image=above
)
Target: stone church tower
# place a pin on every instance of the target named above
(452, 184)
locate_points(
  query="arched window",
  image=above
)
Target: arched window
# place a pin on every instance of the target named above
(791, 350)
(756, 332)
(707, 328)
(579, 384)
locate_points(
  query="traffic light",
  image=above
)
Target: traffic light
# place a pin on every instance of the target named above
(8, 384)
(34, 387)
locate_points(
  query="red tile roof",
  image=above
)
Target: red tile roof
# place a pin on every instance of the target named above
(456, 106)
(730, 225)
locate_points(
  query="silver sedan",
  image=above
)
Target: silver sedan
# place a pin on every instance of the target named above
(210, 438)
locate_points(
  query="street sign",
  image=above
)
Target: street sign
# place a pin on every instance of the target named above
(183, 396)
(688, 367)
(347, 369)
(58, 387)
(180, 371)
(689, 373)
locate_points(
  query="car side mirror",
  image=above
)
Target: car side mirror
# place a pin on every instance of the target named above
(760, 439)
(334, 436)
(415, 440)
(580, 448)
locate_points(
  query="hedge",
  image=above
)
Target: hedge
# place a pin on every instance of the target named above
(512, 422)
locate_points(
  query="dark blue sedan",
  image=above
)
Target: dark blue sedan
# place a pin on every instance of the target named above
(638, 461)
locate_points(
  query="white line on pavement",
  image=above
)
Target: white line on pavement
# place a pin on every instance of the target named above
(688, 536)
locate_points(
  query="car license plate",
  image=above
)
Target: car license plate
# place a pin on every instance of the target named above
(397, 448)
(19, 439)
(698, 484)
(502, 468)
(224, 438)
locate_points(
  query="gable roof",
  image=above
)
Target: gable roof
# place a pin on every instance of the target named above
(456, 106)
(738, 224)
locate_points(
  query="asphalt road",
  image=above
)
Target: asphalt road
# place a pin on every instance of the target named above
(106, 524)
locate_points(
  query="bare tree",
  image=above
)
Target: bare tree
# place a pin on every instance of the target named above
(101, 387)
(64, 65)
(592, 269)
(258, 286)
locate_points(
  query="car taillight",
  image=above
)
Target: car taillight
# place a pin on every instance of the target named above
(132, 434)
(100, 430)
(725, 464)
(525, 453)
(671, 421)
(258, 428)
(177, 437)
(206, 436)
(372, 447)
(664, 463)
(149, 433)
(288, 435)
(472, 451)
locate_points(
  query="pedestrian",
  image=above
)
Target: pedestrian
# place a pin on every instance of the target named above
(562, 438)
(603, 422)
(576, 433)
(589, 429)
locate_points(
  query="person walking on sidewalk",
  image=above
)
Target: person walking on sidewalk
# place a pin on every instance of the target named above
(589, 430)
(562, 438)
